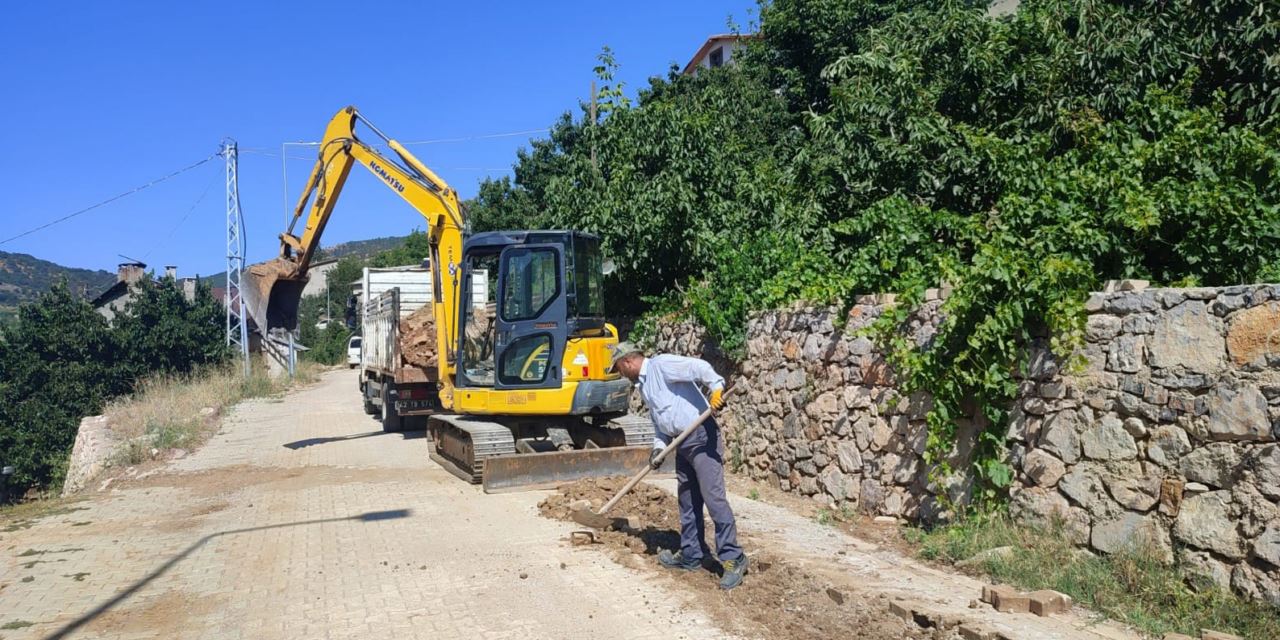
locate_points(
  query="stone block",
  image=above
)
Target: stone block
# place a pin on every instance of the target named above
(1206, 522)
(1267, 546)
(1214, 464)
(1188, 336)
(1102, 328)
(902, 610)
(1254, 334)
(1129, 302)
(1135, 428)
(1047, 602)
(1060, 436)
(1132, 531)
(1171, 496)
(1126, 354)
(1238, 414)
(94, 445)
(1266, 467)
(1208, 634)
(1176, 636)
(1167, 445)
(1085, 487)
(1108, 440)
(1037, 506)
(848, 457)
(975, 631)
(1011, 601)
(1043, 468)
(989, 591)
(1138, 324)
(1133, 491)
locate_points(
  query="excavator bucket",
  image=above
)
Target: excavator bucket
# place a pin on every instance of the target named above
(271, 294)
(529, 471)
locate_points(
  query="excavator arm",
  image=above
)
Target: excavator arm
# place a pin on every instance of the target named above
(273, 289)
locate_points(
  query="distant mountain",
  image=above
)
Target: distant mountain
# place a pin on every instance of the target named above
(361, 248)
(24, 277)
(356, 248)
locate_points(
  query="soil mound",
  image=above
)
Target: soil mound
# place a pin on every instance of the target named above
(780, 598)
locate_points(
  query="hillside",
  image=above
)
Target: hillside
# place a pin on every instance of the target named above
(23, 277)
(357, 248)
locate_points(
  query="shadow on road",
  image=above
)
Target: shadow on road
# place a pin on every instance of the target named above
(372, 516)
(311, 442)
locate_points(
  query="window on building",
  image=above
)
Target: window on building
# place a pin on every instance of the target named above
(717, 57)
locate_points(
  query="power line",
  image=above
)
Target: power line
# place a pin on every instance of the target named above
(108, 200)
(508, 134)
(184, 218)
(485, 136)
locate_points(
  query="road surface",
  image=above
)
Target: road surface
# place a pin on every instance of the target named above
(301, 519)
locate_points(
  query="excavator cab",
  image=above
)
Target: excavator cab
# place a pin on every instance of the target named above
(531, 292)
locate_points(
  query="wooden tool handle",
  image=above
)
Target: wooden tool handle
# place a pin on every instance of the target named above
(662, 455)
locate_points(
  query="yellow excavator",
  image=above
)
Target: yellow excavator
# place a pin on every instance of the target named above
(537, 406)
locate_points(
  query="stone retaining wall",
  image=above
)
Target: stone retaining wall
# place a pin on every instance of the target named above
(1167, 438)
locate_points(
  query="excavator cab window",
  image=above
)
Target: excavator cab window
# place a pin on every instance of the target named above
(481, 290)
(586, 283)
(531, 330)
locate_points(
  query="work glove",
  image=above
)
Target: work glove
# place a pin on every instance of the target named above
(654, 462)
(717, 399)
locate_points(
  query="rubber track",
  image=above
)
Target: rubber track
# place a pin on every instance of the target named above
(488, 439)
(637, 429)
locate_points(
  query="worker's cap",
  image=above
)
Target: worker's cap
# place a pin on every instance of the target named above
(619, 351)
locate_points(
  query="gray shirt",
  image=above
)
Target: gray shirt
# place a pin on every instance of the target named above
(667, 387)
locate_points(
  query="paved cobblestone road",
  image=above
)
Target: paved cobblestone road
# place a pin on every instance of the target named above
(300, 519)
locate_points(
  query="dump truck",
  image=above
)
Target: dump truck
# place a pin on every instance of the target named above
(397, 358)
(523, 396)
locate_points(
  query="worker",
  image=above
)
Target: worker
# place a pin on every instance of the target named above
(667, 386)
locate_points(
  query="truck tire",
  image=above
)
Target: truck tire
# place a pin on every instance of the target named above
(369, 407)
(391, 421)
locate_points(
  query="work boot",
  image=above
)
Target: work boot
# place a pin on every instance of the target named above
(733, 572)
(677, 561)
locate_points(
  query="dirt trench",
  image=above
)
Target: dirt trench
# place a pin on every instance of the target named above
(779, 598)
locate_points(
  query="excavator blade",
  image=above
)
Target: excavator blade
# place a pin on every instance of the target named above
(529, 471)
(271, 294)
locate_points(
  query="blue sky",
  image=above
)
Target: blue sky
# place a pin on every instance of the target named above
(103, 97)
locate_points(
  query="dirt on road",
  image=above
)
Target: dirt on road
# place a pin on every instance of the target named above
(779, 599)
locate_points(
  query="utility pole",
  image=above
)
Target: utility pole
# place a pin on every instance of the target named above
(237, 332)
(594, 164)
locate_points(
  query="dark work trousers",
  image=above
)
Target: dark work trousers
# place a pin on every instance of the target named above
(700, 473)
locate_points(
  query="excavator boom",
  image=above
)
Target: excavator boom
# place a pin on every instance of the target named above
(273, 289)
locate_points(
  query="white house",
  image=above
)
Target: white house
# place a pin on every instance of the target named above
(717, 51)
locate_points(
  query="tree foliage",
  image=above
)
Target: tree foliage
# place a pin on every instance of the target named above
(892, 145)
(63, 361)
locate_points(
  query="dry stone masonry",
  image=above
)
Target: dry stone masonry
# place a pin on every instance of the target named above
(1167, 439)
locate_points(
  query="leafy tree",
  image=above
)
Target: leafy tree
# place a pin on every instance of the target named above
(161, 331)
(63, 362)
(60, 363)
(890, 145)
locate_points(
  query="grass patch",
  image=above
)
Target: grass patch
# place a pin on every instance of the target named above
(165, 412)
(16, 624)
(1134, 587)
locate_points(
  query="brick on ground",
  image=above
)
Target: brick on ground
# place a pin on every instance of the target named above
(1209, 634)
(1047, 602)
